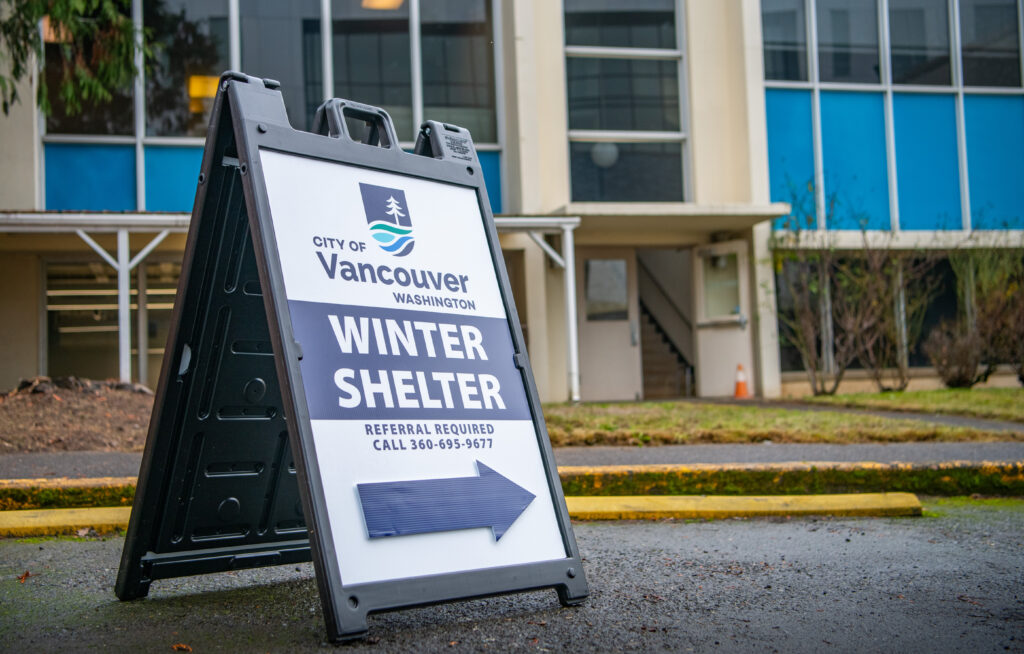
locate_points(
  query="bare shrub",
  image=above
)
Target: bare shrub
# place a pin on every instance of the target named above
(956, 355)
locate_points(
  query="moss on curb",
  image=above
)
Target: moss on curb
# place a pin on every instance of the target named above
(943, 479)
(63, 493)
(952, 478)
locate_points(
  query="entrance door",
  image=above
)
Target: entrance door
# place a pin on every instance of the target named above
(724, 336)
(609, 319)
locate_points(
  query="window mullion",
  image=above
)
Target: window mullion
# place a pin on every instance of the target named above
(416, 64)
(234, 36)
(139, 108)
(327, 49)
(885, 59)
(961, 126)
(813, 74)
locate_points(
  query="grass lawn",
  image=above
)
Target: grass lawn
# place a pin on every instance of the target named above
(664, 423)
(996, 403)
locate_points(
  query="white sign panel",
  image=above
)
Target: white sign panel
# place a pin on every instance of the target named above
(424, 439)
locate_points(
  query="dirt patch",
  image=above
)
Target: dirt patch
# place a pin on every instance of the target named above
(70, 413)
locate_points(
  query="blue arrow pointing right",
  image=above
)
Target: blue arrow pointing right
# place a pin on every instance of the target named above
(421, 506)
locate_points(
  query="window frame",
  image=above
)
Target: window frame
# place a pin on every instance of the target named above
(887, 89)
(680, 136)
(140, 140)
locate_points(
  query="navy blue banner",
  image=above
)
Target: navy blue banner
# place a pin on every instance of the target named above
(394, 364)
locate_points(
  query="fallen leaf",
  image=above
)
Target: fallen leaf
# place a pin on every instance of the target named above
(181, 647)
(22, 578)
(452, 643)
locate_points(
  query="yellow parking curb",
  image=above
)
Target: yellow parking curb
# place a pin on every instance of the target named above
(710, 507)
(656, 507)
(51, 522)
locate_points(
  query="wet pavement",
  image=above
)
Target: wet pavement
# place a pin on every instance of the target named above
(948, 582)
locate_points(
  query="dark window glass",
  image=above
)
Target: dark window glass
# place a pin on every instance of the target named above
(190, 46)
(623, 94)
(458, 66)
(919, 34)
(626, 172)
(848, 41)
(621, 23)
(115, 117)
(943, 307)
(371, 60)
(607, 293)
(785, 39)
(991, 45)
(281, 40)
(791, 281)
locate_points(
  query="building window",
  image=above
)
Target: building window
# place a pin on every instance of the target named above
(619, 24)
(785, 39)
(458, 66)
(190, 44)
(607, 291)
(919, 42)
(281, 40)
(156, 150)
(890, 130)
(624, 89)
(990, 42)
(113, 118)
(371, 60)
(848, 41)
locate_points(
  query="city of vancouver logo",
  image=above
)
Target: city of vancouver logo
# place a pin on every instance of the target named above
(387, 214)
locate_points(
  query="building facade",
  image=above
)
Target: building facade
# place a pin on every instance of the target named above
(648, 145)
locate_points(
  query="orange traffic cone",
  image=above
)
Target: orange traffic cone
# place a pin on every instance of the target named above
(741, 392)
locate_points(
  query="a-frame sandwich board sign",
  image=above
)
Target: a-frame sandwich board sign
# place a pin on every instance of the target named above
(345, 377)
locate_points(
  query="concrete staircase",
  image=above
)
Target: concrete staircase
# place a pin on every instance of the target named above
(666, 372)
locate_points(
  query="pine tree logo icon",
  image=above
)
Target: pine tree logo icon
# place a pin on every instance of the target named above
(387, 215)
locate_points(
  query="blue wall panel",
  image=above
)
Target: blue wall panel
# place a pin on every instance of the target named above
(995, 160)
(791, 154)
(853, 145)
(927, 169)
(90, 177)
(490, 163)
(172, 174)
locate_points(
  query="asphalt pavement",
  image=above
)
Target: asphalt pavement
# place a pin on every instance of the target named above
(126, 464)
(946, 583)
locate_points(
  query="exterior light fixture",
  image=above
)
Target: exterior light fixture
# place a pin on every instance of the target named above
(382, 5)
(54, 32)
(604, 155)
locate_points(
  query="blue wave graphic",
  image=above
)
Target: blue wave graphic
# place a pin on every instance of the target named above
(391, 238)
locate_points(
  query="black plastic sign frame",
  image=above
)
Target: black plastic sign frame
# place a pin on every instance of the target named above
(234, 473)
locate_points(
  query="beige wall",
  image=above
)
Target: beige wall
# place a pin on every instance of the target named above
(726, 100)
(20, 297)
(19, 153)
(536, 145)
